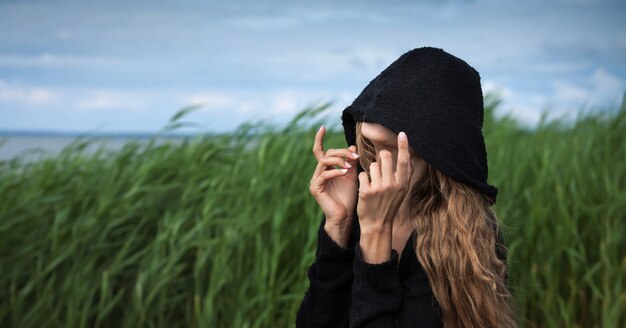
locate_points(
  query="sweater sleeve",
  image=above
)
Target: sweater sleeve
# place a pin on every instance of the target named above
(379, 298)
(326, 303)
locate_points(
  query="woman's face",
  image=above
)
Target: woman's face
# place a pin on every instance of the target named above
(383, 138)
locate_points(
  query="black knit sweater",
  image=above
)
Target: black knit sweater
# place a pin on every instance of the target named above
(345, 291)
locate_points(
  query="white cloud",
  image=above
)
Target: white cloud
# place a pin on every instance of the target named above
(285, 101)
(58, 60)
(211, 100)
(602, 89)
(320, 65)
(294, 16)
(560, 67)
(111, 99)
(528, 115)
(490, 86)
(269, 103)
(292, 101)
(263, 22)
(513, 103)
(218, 101)
(606, 87)
(26, 95)
(579, 2)
(567, 92)
(371, 58)
(63, 34)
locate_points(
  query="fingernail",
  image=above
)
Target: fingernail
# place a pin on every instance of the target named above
(348, 165)
(343, 170)
(321, 127)
(355, 155)
(402, 135)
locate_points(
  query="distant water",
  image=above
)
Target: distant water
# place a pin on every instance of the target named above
(35, 147)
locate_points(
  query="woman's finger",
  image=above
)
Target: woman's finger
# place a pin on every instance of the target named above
(343, 152)
(375, 175)
(404, 158)
(321, 180)
(364, 183)
(386, 164)
(318, 145)
(330, 161)
(329, 174)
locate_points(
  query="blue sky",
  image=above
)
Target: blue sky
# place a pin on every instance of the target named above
(128, 66)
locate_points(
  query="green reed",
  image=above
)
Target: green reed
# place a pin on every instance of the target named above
(218, 231)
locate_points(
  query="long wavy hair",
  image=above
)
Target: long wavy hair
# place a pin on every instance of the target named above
(458, 244)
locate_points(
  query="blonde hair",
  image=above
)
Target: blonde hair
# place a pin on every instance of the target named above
(456, 245)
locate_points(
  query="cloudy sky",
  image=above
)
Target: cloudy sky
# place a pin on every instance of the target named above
(129, 66)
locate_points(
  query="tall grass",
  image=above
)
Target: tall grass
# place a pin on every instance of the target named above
(219, 231)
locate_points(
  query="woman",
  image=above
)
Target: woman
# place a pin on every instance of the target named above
(408, 237)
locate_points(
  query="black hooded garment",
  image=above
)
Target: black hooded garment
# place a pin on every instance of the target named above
(436, 99)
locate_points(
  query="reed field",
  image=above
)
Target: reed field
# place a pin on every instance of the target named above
(219, 231)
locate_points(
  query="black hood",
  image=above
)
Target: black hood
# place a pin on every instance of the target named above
(436, 99)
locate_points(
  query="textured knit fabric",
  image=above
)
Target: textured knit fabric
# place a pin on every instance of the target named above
(436, 99)
(345, 291)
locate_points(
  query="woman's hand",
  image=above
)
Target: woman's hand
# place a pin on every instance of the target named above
(335, 190)
(380, 197)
